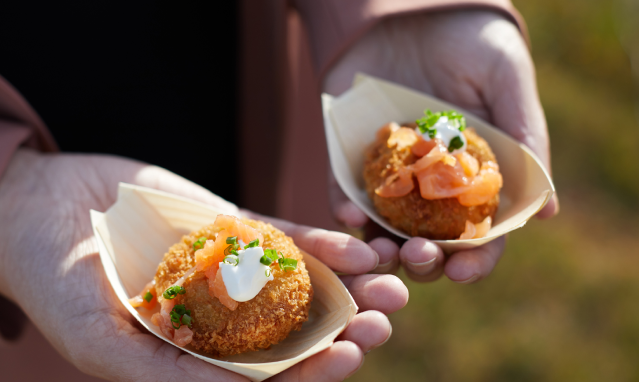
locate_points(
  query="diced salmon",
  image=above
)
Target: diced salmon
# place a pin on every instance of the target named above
(139, 301)
(483, 227)
(399, 185)
(183, 336)
(402, 138)
(235, 227)
(163, 319)
(468, 163)
(438, 153)
(218, 289)
(483, 187)
(205, 256)
(386, 131)
(441, 181)
(423, 147)
(469, 231)
(443, 175)
(476, 231)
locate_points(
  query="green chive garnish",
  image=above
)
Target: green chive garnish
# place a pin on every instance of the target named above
(288, 264)
(199, 244)
(267, 272)
(271, 254)
(455, 143)
(231, 240)
(173, 291)
(148, 296)
(187, 320)
(266, 260)
(426, 123)
(231, 260)
(253, 243)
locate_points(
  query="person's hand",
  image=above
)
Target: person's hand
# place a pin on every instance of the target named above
(49, 266)
(475, 59)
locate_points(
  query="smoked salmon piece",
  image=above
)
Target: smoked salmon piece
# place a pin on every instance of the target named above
(235, 227)
(219, 290)
(398, 185)
(476, 231)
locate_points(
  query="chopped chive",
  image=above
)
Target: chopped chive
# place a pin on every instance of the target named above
(172, 292)
(231, 240)
(187, 320)
(148, 296)
(266, 260)
(288, 264)
(429, 120)
(231, 260)
(253, 243)
(179, 309)
(455, 143)
(199, 244)
(271, 254)
(267, 272)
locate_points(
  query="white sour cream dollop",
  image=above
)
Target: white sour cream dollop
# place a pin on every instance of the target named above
(446, 132)
(245, 280)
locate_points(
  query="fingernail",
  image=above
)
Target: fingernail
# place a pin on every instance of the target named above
(356, 370)
(390, 333)
(376, 254)
(422, 268)
(468, 281)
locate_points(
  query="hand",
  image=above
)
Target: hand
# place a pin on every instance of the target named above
(50, 267)
(475, 59)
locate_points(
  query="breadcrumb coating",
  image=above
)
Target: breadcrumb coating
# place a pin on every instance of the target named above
(280, 307)
(441, 219)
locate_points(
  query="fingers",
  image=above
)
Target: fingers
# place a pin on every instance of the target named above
(133, 356)
(388, 252)
(368, 330)
(385, 293)
(470, 266)
(344, 211)
(336, 363)
(512, 98)
(422, 259)
(551, 209)
(341, 252)
(164, 180)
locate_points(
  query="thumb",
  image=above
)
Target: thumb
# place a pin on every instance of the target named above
(513, 101)
(164, 180)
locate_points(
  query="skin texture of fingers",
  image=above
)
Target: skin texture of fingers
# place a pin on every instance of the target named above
(422, 260)
(470, 266)
(336, 363)
(496, 80)
(385, 293)
(368, 330)
(344, 211)
(388, 253)
(341, 252)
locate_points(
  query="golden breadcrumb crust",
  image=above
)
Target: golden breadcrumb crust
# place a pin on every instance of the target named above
(441, 219)
(280, 307)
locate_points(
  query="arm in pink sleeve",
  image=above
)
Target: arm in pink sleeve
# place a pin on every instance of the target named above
(19, 125)
(334, 25)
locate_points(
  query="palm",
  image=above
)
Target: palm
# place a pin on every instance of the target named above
(474, 59)
(52, 269)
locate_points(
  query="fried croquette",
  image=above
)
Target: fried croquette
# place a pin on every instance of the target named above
(439, 219)
(280, 307)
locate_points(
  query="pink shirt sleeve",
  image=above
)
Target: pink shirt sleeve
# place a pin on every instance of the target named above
(19, 125)
(334, 25)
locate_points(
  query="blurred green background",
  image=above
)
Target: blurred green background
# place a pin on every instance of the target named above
(563, 303)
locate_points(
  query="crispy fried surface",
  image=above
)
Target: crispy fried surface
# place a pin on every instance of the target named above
(442, 219)
(280, 307)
